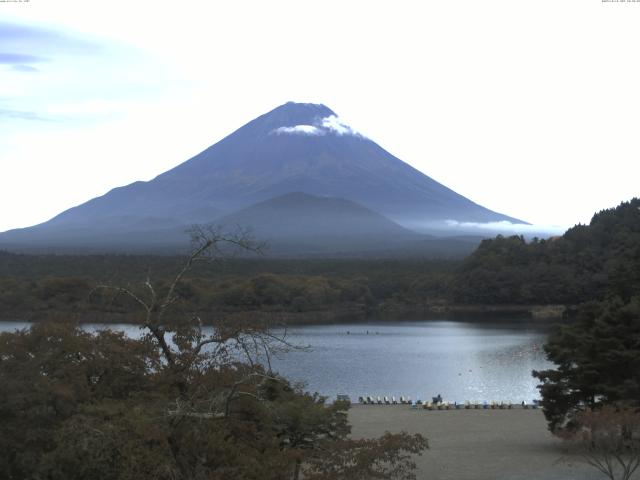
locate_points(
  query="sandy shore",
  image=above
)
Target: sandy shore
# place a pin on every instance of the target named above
(476, 444)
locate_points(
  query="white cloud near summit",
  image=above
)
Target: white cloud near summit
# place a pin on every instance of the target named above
(330, 124)
(300, 130)
(335, 125)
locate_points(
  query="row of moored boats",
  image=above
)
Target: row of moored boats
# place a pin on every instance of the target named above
(438, 404)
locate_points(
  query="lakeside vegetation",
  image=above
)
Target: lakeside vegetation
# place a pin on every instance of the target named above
(177, 403)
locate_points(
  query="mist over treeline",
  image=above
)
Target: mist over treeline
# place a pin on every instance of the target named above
(588, 262)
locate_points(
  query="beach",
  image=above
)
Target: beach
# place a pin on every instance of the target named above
(476, 444)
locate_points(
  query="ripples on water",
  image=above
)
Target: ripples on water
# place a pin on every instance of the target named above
(461, 361)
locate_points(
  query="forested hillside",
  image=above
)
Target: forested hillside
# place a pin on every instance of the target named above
(588, 262)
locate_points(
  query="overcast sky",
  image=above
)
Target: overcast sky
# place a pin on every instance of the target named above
(530, 108)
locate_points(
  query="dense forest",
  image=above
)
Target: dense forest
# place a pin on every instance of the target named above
(31, 286)
(587, 262)
(595, 383)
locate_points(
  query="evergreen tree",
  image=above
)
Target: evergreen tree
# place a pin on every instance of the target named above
(598, 362)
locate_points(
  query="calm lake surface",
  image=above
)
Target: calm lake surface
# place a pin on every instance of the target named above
(461, 361)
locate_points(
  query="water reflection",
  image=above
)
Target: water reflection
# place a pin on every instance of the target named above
(462, 361)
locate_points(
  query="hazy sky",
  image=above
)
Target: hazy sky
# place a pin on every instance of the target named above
(528, 107)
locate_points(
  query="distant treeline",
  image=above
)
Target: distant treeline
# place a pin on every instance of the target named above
(588, 262)
(32, 286)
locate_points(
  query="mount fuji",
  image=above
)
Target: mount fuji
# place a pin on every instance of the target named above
(297, 148)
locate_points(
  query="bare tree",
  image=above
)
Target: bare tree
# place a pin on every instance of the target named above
(608, 439)
(223, 374)
(183, 342)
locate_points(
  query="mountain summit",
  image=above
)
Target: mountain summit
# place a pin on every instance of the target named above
(297, 147)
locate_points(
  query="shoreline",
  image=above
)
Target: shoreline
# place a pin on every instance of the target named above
(391, 313)
(476, 444)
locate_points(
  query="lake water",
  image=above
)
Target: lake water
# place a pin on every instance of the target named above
(459, 360)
